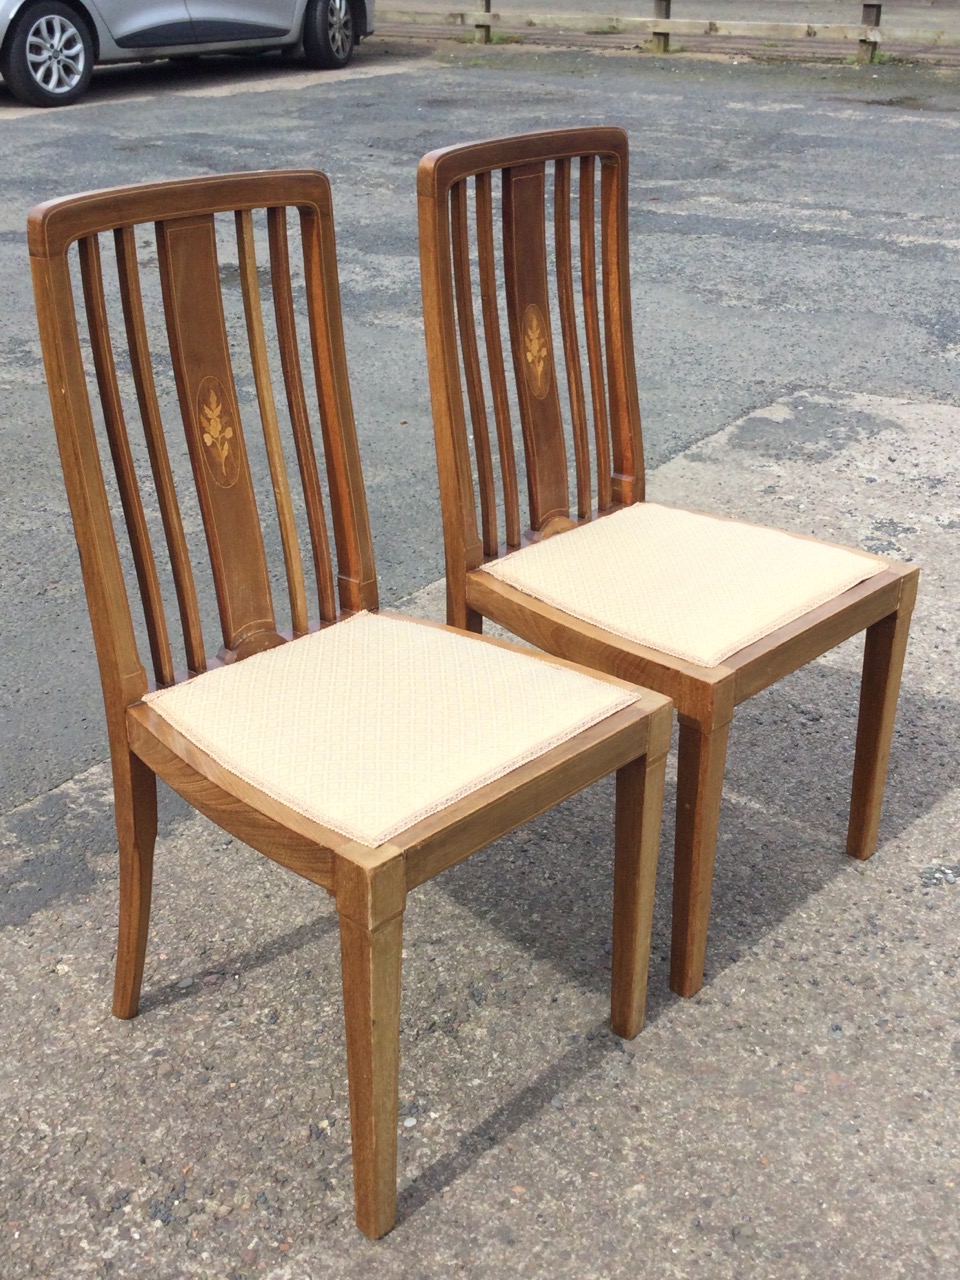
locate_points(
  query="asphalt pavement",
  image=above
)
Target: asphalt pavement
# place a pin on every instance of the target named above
(794, 243)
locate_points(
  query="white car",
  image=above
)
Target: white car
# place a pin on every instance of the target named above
(48, 48)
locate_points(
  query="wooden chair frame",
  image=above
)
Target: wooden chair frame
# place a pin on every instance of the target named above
(369, 885)
(705, 697)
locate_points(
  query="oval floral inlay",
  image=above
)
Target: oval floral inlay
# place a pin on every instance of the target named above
(216, 424)
(536, 351)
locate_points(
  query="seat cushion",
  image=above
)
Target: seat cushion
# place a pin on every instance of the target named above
(690, 585)
(372, 724)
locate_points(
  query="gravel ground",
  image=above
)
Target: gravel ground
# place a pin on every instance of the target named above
(797, 1119)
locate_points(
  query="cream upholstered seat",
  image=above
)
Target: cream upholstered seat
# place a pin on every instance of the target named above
(692, 585)
(432, 717)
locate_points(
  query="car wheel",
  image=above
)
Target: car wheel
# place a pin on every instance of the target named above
(329, 34)
(47, 60)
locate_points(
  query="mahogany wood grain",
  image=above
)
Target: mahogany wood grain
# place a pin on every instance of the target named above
(369, 884)
(571, 346)
(638, 838)
(196, 327)
(626, 439)
(135, 805)
(142, 368)
(588, 270)
(531, 340)
(370, 905)
(495, 366)
(884, 651)
(285, 313)
(705, 696)
(356, 571)
(462, 547)
(700, 765)
(256, 336)
(471, 354)
(116, 427)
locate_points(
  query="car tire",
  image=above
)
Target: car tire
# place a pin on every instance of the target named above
(329, 34)
(47, 60)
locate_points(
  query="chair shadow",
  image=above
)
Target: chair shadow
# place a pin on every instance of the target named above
(774, 854)
(782, 831)
(508, 1118)
(242, 962)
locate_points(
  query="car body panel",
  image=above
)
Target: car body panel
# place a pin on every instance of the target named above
(156, 25)
(133, 30)
(216, 20)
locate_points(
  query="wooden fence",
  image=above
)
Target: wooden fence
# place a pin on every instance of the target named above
(868, 34)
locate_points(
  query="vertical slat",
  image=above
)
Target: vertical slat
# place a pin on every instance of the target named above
(124, 679)
(463, 550)
(203, 369)
(495, 367)
(571, 345)
(356, 570)
(625, 428)
(528, 307)
(297, 406)
(588, 268)
(132, 300)
(471, 367)
(112, 405)
(268, 416)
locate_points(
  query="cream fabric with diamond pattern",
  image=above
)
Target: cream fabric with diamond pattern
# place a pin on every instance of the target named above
(691, 585)
(372, 724)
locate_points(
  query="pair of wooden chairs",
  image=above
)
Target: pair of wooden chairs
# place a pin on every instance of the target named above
(364, 751)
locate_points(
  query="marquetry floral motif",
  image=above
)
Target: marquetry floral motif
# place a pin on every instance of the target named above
(536, 351)
(217, 435)
(221, 446)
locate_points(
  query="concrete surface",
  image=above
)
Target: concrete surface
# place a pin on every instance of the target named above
(794, 239)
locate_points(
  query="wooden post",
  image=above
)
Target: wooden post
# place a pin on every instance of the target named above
(870, 17)
(483, 28)
(661, 39)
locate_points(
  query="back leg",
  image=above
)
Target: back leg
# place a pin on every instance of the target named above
(135, 803)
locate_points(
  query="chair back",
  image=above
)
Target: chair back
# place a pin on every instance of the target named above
(534, 228)
(151, 307)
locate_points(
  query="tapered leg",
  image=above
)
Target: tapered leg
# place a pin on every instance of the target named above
(700, 765)
(135, 802)
(639, 810)
(371, 997)
(883, 655)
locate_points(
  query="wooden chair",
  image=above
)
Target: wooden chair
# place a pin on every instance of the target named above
(707, 611)
(364, 752)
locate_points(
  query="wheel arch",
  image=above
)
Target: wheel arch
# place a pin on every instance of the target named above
(359, 10)
(81, 11)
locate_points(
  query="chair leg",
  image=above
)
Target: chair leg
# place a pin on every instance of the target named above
(639, 810)
(370, 958)
(459, 613)
(135, 803)
(883, 654)
(700, 766)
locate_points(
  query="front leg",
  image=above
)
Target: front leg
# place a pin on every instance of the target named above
(700, 767)
(639, 810)
(883, 654)
(370, 906)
